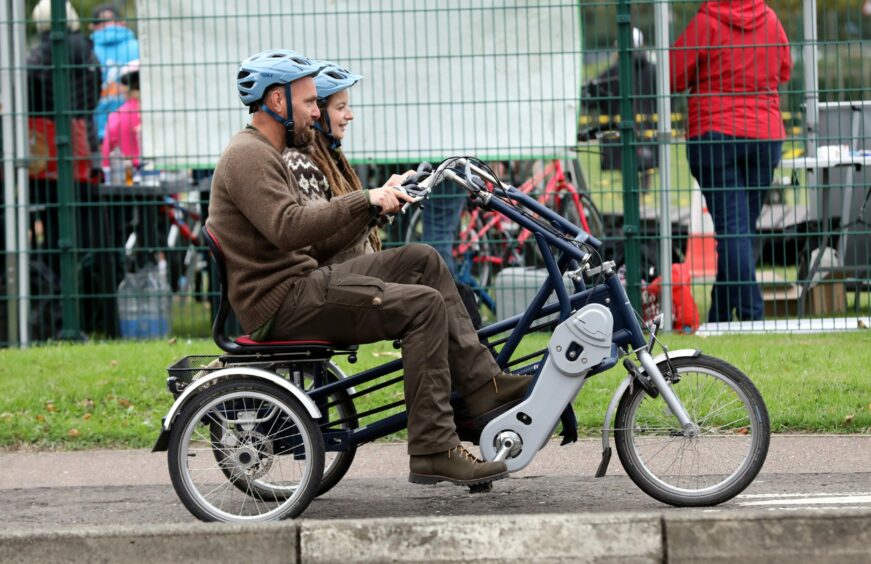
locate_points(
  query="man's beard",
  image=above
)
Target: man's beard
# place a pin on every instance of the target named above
(301, 137)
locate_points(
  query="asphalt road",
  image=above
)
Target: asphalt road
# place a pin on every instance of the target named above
(48, 490)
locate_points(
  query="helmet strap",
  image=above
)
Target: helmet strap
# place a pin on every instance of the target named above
(328, 132)
(286, 122)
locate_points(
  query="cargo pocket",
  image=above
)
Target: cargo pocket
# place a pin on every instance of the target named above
(355, 290)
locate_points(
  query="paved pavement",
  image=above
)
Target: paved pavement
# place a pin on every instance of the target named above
(50, 489)
(788, 454)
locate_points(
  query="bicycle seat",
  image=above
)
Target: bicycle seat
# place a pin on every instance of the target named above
(310, 348)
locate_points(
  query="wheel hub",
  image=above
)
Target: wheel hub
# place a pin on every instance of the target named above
(253, 457)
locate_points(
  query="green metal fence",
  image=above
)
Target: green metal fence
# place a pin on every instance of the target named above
(566, 99)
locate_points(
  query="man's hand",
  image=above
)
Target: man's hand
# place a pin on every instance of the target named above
(387, 198)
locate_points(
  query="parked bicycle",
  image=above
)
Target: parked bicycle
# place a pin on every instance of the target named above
(248, 432)
(487, 241)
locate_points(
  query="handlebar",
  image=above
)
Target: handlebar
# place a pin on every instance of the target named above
(473, 178)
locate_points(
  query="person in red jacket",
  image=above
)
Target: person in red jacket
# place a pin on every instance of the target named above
(731, 59)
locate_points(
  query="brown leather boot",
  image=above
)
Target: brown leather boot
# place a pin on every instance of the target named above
(458, 466)
(497, 395)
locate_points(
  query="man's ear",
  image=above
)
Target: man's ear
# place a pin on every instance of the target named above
(275, 99)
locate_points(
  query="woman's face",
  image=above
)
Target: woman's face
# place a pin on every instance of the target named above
(340, 114)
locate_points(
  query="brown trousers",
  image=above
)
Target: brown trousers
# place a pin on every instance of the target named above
(403, 293)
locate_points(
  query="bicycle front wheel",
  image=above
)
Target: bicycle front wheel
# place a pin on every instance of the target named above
(270, 454)
(715, 465)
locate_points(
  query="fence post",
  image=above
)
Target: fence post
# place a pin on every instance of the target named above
(631, 216)
(66, 190)
(9, 225)
(662, 17)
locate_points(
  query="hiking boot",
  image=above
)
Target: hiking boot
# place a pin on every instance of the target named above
(458, 466)
(500, 394)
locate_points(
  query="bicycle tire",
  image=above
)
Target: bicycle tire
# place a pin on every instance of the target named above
(475, 263)
(591, 213)
(266, 419)
(741, 433)
(336, 463)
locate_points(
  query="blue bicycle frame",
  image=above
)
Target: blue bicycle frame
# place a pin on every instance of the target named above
(627, 334)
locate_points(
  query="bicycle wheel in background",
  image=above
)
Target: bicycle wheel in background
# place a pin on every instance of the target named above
(711, 467)
(593, 222)
(338, 413)
(472, 252)
(266, 440)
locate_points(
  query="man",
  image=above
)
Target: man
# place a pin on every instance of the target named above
(278, 291)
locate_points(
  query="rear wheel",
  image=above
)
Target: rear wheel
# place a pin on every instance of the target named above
(245, 451)
(706, 469)
(337, 414)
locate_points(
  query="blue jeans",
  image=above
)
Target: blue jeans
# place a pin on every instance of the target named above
(734, 174)
(441, 219)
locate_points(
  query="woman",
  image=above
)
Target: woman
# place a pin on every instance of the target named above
(731, 58)
(321, 169)
(124, 126)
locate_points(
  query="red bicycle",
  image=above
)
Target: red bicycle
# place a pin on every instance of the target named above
(487, 241)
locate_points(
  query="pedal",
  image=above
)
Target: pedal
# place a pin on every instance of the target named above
(570, 426)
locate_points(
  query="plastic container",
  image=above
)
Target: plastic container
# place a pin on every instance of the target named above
(145, 303)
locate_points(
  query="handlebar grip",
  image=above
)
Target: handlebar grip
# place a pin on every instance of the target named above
(423, 169)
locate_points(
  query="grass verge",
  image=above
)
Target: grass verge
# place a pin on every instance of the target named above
(112, 395)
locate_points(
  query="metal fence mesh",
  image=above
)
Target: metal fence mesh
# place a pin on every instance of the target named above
(565, 99)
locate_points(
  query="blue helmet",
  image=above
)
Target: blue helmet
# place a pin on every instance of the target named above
(265, 69)
(333, 78)
(330, 80)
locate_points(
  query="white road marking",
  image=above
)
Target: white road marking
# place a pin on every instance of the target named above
(783, 495)
(829, 500)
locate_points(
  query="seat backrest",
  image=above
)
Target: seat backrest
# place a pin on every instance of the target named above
(310, 349)
(218, 327)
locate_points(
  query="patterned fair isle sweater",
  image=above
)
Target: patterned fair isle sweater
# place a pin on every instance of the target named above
(314, 187)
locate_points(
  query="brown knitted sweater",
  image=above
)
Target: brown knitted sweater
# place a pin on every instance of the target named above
(268, 238)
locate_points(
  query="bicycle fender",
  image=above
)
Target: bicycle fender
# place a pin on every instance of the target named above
(618, 394)
(163, 440)
(680, 353)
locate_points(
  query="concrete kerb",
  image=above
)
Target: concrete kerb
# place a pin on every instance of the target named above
(842, 536)
(523, 538)
(801, 536)
(206, 543)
